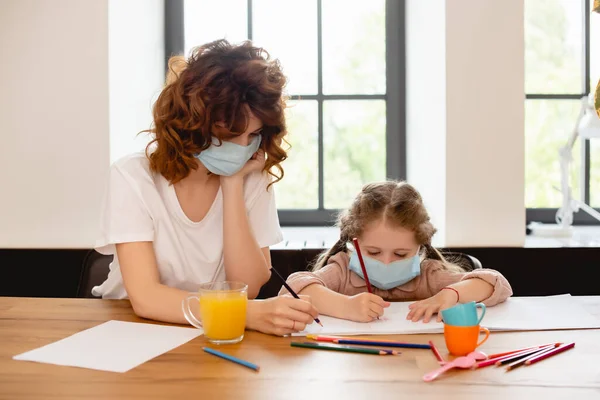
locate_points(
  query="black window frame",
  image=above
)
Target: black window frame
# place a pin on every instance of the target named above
(394, 97)
(548, 215)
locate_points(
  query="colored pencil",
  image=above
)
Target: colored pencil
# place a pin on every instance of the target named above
(362, 264)
(291, 291)
(231, 358)
(349, 349)
(367, 342)
(518, 356)
(550, 353)
(436, 353)
(522, 361)
(506, 353)
(493, 361)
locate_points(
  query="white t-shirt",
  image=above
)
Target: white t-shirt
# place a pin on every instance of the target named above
(141, 205)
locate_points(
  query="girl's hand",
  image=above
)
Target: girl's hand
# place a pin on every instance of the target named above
(280, 315)
(426, 308)
(365, 307)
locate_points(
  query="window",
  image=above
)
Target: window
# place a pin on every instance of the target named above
(345, 66)
(562, 64)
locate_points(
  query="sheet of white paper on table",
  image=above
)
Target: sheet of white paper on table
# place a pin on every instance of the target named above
(115, 346)
(515, 314)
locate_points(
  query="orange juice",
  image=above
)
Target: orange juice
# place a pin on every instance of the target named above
(223, 315)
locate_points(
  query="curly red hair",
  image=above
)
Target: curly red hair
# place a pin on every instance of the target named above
(218, 83)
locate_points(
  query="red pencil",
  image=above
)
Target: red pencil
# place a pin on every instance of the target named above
(506, 353)
(522, 360)
(518, 356)
(493, 361)
(362, 264)
(436, 353)
(550, 353)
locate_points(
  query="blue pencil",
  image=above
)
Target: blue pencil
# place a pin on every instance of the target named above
(366, 342)
(386, 344)
(231, 358)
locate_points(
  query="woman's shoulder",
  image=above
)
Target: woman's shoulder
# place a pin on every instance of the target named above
(134, 165)
(133, 171)
(255, 184)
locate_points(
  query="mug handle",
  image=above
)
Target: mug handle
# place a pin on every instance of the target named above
(483, 308)
(487, 335)
(187, 312)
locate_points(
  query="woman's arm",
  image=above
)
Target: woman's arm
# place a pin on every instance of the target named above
(152, 300)
(244, 260)
(149, 298)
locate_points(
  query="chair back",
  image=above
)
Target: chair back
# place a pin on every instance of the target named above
(93, 272)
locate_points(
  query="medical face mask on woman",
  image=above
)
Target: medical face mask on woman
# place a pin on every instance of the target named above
(228, 158)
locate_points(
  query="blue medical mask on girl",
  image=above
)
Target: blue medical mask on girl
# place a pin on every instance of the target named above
(387, 276)
(228, 158)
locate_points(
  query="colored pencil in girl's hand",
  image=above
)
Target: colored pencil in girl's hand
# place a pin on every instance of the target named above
(289, 289)
(348, 349)
(550, 353)
(362, 265)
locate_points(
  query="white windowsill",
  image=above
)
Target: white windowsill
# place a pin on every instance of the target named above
(324, 237)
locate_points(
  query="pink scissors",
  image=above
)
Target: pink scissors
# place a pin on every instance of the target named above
(467, 361)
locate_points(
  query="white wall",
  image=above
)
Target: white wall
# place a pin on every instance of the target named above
(62, 119)
(468, 58)
(426, 105)
(136, 70)
(53, 121)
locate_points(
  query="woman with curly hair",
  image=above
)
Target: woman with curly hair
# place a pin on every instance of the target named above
(198, 205)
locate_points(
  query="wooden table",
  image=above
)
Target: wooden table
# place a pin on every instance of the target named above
(286, 372)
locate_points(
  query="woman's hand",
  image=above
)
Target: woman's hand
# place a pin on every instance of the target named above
(426, 308)
(365, 307)
(256, 163)
(281, 315)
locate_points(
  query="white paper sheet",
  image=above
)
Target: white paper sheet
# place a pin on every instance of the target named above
(115, 346)
(515, 314)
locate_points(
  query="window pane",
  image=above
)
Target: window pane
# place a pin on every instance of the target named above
(353, 47)
(594, 48)
(553, 46)
(207, 20)
(595, 173)
(548, 125)
(354, 148)
(288, 31)
(299, 186)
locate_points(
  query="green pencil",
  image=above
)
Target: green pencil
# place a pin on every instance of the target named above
(349, 349)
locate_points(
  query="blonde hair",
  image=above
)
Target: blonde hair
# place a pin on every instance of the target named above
(400, 204)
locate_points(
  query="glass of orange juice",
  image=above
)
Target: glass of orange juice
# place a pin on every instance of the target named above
(222, 309)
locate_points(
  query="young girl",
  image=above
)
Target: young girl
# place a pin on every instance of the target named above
(394, 234)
